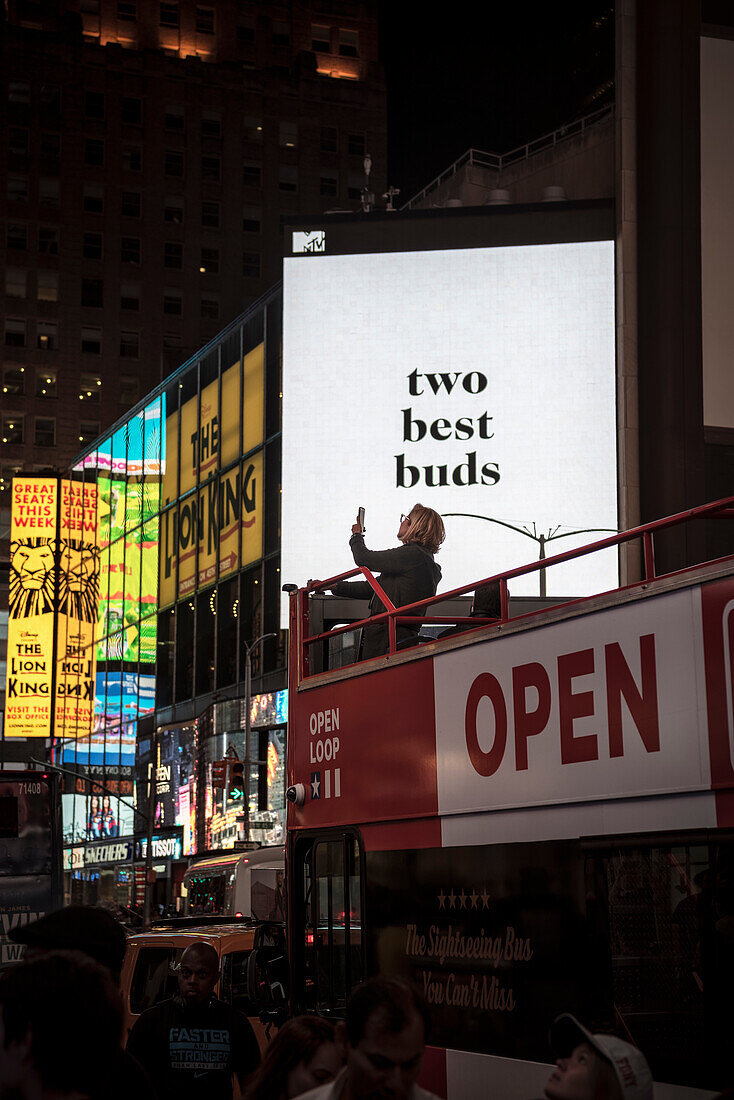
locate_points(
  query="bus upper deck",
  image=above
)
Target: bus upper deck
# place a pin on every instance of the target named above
(525, 817)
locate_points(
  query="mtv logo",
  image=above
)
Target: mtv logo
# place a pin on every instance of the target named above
(309, 241)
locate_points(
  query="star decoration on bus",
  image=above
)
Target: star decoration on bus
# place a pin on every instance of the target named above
(463, 899)
(316, 785)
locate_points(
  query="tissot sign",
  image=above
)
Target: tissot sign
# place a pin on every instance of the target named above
(478, 381)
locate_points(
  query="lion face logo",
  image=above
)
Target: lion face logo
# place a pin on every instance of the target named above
(79, 580)
(32, 577)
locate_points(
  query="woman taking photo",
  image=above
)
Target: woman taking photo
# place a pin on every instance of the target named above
(408, 573)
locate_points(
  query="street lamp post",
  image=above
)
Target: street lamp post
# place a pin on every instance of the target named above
(248, 680)
(536, 536)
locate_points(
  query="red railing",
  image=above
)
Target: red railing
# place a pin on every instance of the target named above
(408, 613)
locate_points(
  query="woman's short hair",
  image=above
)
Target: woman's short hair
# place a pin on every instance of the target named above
(426, 528)
(297, 1042)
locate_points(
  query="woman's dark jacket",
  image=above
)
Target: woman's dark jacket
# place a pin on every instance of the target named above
(408, 573)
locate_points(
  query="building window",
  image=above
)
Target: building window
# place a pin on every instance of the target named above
(281, 33)
(169, 14)
(47, 335)
(328, 186)
(94, 105)
(209, 261)
(171, 341)
(89, 7)
(130, 345)
(50, 99)
(320, 38)
(17, 188)
(16, 279)
(13, 428)
(92, 293)
(210, 214)
(48, 240)
(329, 139)
(348, 44)
(131, 110)
(92, 246)
(211, 169)
(211, 124)
(130, 250)
(19, 91)
(14, 332)
(14, 380)
(204, 20)
(130, 296)
(174, 163)
(210, 307)
(175, 119)
(252, 128)
(44, 431)
(132, 158)
(355, 145)
(94, 152)
(288, 177)
(130, 206)
(46, 383)
(92, 341)
(127, 10)
(48, 193)
(245, 28)
(48, 286)
(93, 198)
(17, 143)
(173, 254)
(288, 134)
(88, 431)
(50, 153)
(90, 386)
(251, 219)
(251, 265)
(128, 390)
(172, 302)
(173, 209)
(17, 236)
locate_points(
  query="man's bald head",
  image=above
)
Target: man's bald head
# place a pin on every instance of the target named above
(198, 973)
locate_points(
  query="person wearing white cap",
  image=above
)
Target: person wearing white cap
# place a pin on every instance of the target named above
(595, 1067)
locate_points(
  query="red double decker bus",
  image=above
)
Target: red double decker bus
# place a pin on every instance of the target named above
(526, 816)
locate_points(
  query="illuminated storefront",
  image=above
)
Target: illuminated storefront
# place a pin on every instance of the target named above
(188, 511)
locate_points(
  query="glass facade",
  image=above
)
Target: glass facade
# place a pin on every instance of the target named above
(188, 515)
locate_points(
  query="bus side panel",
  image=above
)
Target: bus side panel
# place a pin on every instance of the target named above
(718, 638)
(629, 933)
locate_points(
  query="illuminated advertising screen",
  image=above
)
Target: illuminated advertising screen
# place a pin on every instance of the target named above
(54, 591)
(477, 381)
(224, 518)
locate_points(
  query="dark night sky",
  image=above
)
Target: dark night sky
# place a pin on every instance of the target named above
(490, 76)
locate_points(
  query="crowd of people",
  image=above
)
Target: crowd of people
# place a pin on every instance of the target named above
(61, 1034)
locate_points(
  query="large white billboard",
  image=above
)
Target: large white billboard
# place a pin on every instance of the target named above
(477, 381)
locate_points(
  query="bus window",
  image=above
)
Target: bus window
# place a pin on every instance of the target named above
(332, 906)
(207, 895)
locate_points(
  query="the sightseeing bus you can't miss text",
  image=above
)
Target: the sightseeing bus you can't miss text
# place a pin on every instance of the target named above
(526, 816)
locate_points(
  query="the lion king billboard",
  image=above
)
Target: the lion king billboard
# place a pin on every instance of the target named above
(54, 592)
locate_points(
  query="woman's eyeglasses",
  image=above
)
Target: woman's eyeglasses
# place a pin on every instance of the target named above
(404, 518)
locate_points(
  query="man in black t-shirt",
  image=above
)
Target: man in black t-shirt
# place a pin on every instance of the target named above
(192, 1044)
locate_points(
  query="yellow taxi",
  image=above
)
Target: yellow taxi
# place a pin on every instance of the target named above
(152, 959)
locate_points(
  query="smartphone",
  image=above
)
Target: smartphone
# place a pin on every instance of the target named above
(360, 518)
